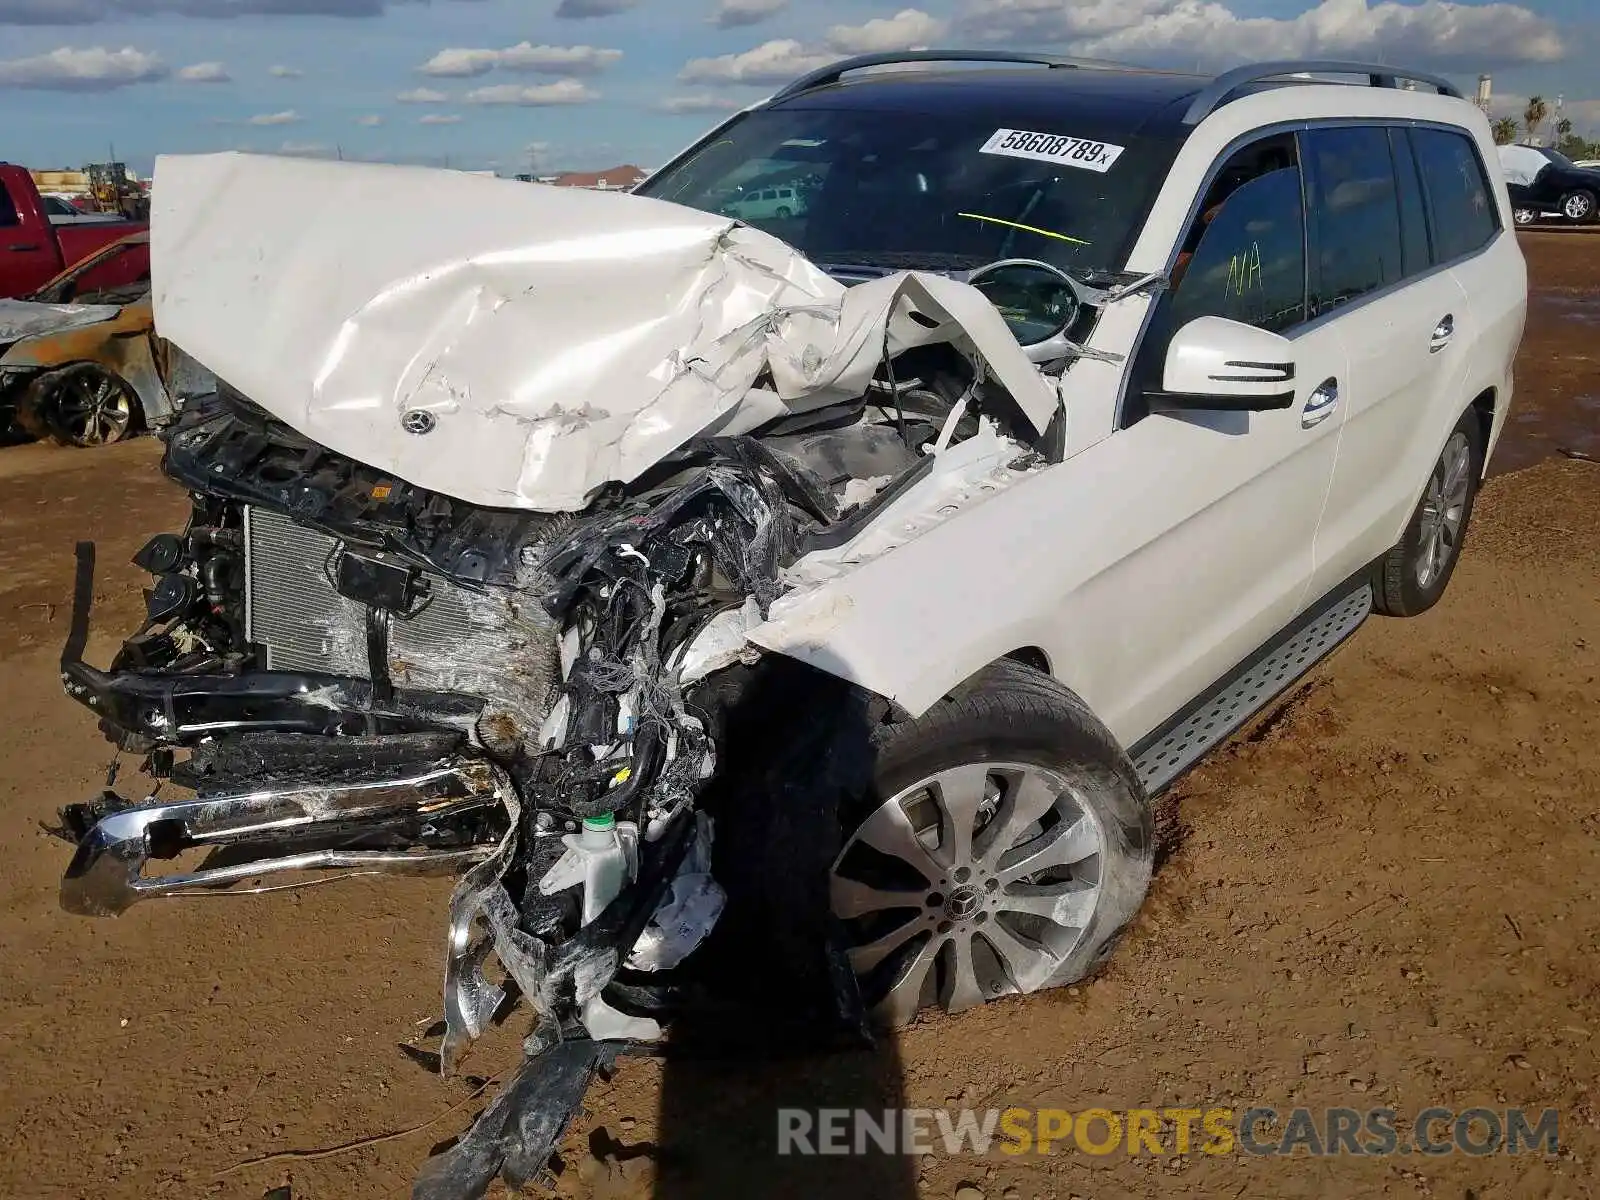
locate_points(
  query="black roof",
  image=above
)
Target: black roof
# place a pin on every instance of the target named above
(1152, 102)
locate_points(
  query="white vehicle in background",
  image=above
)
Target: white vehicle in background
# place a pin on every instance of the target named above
(766, 204)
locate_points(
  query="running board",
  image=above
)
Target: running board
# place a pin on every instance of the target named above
(1183, 741)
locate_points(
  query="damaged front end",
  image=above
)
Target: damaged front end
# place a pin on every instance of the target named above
(521, 678)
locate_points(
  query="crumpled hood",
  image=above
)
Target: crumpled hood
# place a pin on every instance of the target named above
(21, 319)
(518, 345)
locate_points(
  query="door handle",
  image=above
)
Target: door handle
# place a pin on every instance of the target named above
(22, 247)
(1442, 333)
(1320, 404)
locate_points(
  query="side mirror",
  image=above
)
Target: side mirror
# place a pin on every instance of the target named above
(1217, 364)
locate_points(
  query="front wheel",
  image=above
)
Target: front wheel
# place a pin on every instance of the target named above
(1524, 216)
(1579, 207)
(1410, 579)
(1006, 846)
(88, 405)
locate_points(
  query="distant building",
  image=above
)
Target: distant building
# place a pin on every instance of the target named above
(617, 179)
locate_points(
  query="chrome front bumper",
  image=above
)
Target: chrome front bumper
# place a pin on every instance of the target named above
(293, 828)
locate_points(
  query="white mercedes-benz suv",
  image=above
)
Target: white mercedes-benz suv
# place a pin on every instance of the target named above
(749, 598)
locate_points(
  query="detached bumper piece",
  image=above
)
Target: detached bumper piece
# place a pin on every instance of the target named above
(411, 822)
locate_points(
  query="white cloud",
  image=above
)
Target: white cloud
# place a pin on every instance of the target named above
(439, 119)
(776, 61)
(700, 102)
(285, 72)
(562, 91)
(460, 64)
(422, 96)
(370, 122)
(206, 72)
(732, 14)
(577, 10)
(94, 69)
(288, 117)
(783, 59)
(910, 28)
(1429, 33)
(524, 56)
(558, 60)
(304, 149)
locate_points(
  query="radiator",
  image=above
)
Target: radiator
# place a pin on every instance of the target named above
(498, 644)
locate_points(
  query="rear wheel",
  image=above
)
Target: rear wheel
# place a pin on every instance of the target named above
(1578, 206)
(784, 213)
(1413, 575)
(1524, 216)
(1005, 848)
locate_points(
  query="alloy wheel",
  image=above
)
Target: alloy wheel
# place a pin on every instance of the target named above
(93, 408)
(975, 882)
(1444, 508)
(1578, 207)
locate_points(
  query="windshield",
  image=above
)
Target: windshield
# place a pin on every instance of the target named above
(909, 190)
(1555, 156)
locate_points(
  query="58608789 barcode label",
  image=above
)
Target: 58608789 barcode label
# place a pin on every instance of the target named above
(1083, 153)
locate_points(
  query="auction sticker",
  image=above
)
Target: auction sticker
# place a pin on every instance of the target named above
(1083, 153)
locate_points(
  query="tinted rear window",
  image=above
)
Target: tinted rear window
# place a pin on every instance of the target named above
(1355, 215)
(1460, 201)
(1415, 250)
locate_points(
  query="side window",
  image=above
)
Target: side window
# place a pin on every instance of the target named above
(1354, 226)
(8, 210)
(1416, 253)
(1245, 256)
(1460, 201)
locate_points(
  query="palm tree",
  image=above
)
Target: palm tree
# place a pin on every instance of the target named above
(1505, 131)
(1534, 116)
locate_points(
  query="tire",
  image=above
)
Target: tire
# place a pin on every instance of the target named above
(1410, 579)
(1579, 207)
(86, 405)
(784, 213)
(1048, 788)
(1524, 216)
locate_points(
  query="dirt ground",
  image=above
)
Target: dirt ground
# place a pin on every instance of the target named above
(1385, 894)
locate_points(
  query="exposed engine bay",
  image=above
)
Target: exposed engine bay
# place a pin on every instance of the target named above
(413, 650)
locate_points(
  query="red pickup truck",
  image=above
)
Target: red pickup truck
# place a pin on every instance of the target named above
(33, 251)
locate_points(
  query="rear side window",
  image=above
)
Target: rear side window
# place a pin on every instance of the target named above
(8, 210)
(1354, 230)
(1416, 255)
(1460, 202)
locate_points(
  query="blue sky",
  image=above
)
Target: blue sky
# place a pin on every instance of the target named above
(593, 83)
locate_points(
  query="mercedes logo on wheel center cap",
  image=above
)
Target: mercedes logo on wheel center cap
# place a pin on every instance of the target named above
(418, 421)
(963, 902)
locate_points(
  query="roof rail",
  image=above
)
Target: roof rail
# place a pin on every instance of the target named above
(1216, 93)
(832, 74)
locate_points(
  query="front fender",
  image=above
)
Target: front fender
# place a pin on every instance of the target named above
(942, 584)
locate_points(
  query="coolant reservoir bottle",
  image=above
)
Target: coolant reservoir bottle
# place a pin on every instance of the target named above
(605, 864)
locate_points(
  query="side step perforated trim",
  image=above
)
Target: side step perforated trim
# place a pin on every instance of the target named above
(1177, 748)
